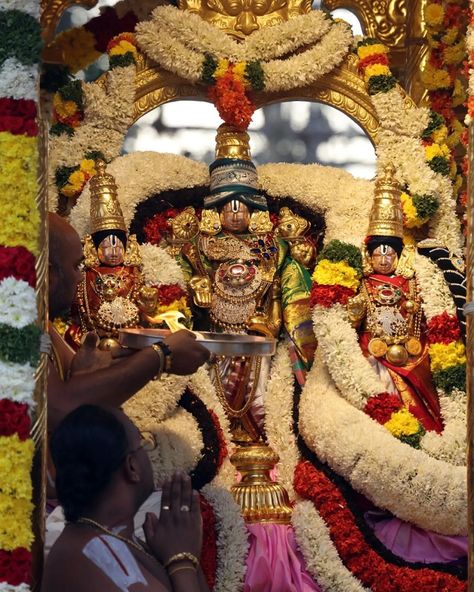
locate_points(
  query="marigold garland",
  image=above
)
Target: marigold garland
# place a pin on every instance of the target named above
(444, 76)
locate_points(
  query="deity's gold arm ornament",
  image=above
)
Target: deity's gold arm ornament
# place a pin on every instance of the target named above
(269, 322)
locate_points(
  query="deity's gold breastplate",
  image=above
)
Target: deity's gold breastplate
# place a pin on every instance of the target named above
(243, 269)
(393, 321)
(106, 299)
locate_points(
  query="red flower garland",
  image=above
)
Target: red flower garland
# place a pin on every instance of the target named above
(14, 419)
(327, 296)
(444, 328)
(233, 105)
(19, 263)
(209, 542)
(169, 293)
(381, 407)
(366, 565)
(18, 117)
(379, 58)
(159, 225)
(15, 566)
(223, 452)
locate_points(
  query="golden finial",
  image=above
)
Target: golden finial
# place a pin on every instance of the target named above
(232, 143)
(386, 216)
(106, 213)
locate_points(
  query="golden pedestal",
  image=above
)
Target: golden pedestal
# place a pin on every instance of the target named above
(260, 498)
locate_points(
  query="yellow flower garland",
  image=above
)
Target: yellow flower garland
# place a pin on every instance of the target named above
(437, 150)
(364, 51)
(434, 15)
(77, 48)
(15, 523)
(402, 423)
(64, 108)
(16, 457)
(328, 273)
(444, 356)
(410, 214)
(376, 70)
(18, 178)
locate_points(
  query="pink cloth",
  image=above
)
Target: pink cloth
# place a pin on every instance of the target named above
(415, 544)
(274, 563)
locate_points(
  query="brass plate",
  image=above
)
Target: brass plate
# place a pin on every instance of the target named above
(221, 344)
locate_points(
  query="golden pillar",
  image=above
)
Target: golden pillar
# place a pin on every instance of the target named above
(416, 51)
(39, 432)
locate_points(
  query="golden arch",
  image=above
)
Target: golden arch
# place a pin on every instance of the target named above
(342, 88)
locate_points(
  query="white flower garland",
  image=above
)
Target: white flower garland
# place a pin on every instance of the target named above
(202, 386)
(278, 402)
(17, 303)
(108, 113)
(17, 382)
(232, 540)
(159, 268)
(138, 176)
(433, 288)
(321, 557)
(179, 445)
(339, 345)
(18, 81)
(4, 587)
(408, 154)
(203, 37)
(178, 41)
(418, 489)
(405, 118)
(156, 401)
(307, 67)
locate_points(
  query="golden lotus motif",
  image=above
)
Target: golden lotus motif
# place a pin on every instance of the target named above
(242, 17)
(260, 499)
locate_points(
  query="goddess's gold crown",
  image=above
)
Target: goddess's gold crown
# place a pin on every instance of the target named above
(106, 213)
(386, 216)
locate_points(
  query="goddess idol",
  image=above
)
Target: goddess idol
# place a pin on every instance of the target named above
(113, 294)
(388, 313)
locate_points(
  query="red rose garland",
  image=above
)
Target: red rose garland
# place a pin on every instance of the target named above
(15, 566)
(381, 407)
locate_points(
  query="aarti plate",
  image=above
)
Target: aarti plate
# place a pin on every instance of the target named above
(221, 344)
